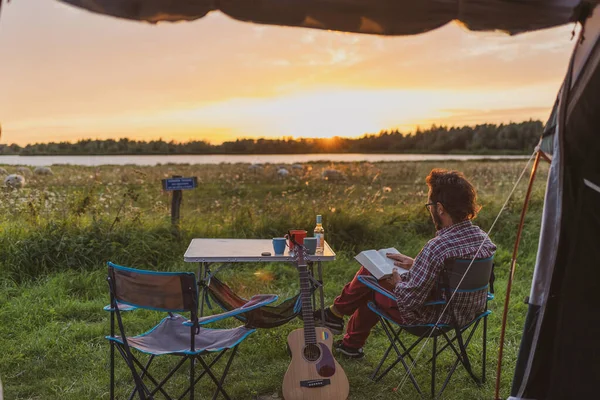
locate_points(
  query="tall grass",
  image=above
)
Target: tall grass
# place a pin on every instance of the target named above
(58, 233)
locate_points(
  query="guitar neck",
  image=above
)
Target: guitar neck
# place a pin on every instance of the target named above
(310, 335)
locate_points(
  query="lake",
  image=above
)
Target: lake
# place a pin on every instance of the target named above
(151, 160)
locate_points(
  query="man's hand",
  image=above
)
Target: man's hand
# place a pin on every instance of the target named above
(401, 260)
(395, 278)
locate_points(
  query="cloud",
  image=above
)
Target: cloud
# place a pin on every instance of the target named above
(308, 37)
(122, 77)
(472, 116)
(311, 113)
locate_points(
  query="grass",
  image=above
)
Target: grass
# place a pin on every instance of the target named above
(58, 232)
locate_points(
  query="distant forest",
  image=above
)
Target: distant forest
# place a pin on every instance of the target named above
(513, 138)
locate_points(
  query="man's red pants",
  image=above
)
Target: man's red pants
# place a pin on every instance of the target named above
(353, 301)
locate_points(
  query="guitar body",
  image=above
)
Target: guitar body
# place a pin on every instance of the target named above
(320, 379)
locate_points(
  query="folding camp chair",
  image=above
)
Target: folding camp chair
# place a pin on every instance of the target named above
(170, 292)
(479, 277)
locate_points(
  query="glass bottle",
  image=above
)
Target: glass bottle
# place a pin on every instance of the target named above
(320, 235)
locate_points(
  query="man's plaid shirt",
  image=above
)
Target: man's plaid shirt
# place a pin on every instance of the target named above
(418, 286)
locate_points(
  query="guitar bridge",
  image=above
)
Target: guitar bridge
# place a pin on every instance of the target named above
(315, 383)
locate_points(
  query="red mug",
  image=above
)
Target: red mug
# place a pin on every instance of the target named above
(295, 235)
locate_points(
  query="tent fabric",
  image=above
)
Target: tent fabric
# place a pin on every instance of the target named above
(382, 17)
(559, 350)
(546, 144)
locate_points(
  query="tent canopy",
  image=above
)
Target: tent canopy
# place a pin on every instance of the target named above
(382, 17)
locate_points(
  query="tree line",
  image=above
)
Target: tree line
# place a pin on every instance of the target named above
(517, 138)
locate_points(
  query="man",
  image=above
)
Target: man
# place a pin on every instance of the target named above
(452, 203)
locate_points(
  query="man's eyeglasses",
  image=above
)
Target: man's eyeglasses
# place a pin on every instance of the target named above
(429, 204)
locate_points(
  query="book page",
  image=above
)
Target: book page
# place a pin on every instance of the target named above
(378, 265)
(388, 250)
(392, 250)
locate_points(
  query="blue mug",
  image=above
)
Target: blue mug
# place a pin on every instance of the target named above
(310, 243)
(279, 245)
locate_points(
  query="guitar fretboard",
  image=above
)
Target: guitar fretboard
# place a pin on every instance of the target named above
(310, 334)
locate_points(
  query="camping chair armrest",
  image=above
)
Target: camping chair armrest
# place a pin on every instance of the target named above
(121, 307)
(435, 303)
(255, 302)
(490, 296)
(372, 283)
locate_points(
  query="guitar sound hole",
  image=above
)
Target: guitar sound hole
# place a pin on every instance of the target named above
(312, 352)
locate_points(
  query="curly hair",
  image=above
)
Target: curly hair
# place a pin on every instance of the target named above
(454, 192)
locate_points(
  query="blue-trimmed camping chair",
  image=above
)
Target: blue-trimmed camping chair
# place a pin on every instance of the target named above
(479, 277)
(171, 292)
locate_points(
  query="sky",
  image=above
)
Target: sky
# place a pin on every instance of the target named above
(67, 74)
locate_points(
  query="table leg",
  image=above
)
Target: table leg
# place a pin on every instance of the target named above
(202, 270)
(321, 293)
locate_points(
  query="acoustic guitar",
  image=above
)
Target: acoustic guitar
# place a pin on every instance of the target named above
(313, 373)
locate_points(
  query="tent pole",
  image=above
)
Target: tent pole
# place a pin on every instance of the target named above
(512, 272)
(545, 156)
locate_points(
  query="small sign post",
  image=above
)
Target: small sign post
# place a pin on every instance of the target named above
(176, 184)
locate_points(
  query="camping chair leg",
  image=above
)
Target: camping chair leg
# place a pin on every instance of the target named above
(385, 356)
(448, 377)
(194, 330)
(225, 371)
(125, 350)
(397, 339)
(112, 370)
(473, 328)
(386, 325)
(460, 355)
(213, 377)
(400, 358)
(463, 351)
(133, 392)
(455, 363)
(192, 375)
(113, 303)
(433, 365)
(484, 349)
(444, 347)
(212, 362)
(139, 385)
(158, 386)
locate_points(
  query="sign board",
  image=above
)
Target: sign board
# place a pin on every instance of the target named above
(170, 184)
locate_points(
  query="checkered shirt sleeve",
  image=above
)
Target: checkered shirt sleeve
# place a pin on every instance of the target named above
(462, 240)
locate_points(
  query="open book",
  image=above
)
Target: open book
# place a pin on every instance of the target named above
(376, 262)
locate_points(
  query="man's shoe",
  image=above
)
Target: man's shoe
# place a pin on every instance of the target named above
(332, 322)
(348, 351)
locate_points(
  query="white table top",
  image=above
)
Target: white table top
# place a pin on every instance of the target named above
(243, 250)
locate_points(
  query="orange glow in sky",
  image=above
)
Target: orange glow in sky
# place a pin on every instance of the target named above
(66, 74)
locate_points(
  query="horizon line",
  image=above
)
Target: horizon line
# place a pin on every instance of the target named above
(416, 130)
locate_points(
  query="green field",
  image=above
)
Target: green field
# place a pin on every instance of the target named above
(59, 231)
